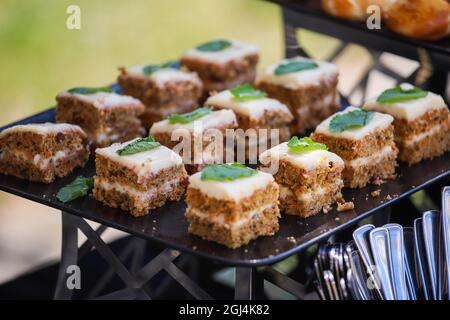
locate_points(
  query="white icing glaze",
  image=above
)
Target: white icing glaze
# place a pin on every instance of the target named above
(307, 160)
(165, 75)
(42, 128)
(408, 110)
(237, 50)
(105, 100)
(296, 80)
(233, 190)
(379, 121)
(215, 119)
(252, 108)
(143, 163)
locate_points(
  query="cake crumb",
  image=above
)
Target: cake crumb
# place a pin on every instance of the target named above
(194, 248)
(291, 239)
(388, 197)
(375, 193)
(345, 206)
(378, 181)
(327, 209)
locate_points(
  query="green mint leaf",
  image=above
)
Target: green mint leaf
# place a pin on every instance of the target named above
(150, 68)
(396, 94)
(350, 120)
(226, 172)
(213, 46)
(86, 90)
(140, 145)
(76, 189)
(190, 116)
(246, 92)
(304, 144)
(295, 66)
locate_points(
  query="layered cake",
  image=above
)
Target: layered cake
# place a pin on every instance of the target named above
(222, 64)
(365, 141)
(309, 176)
(138, 175)
(42, 152)
(104, 115)
(164, 89)
(306, 86)
(255, 111)
(198, 136)
(421, 121)
(232, 204)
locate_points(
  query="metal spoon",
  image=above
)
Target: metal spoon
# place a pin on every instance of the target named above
(420, 257)
(430, 226)
(446, 236)
(397, 259)
(410, 264)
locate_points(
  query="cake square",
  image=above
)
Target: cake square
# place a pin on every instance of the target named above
(138, 176)
(231, 204)
(307, 87)
(421, 121)
(42, 152)
(164, 89)
(309, 176)
(222, 64)
(365, 141)
(205, 132)
(104, 115)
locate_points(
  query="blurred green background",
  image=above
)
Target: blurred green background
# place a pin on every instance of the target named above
(39, 56)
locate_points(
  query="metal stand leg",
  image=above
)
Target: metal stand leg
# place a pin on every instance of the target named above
(135, 280)
(245, 284)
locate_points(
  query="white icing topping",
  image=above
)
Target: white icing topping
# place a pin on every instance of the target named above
(145, 162)
(42, 128)
(165, 75)
(252, 108)
(295, 80)
(379, 121)
(408, 110)
(373, 158)
(307, 160)
(234, 190)
(220, 219)
(215, 119)
(237, 50)
(104, 100)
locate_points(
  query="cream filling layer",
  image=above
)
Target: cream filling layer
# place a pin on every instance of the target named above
(43, 162)
(143, 196)
(285, 192)
(419, 137)
(220, 219)
(373, 158)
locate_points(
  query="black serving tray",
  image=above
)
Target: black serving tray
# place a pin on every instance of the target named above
(168, 226)
(308, 14)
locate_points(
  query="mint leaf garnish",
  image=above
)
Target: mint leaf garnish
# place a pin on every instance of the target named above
(295, 66)
(86, 90)
(190, 116)
(213, 46)
(226, 172)
(246, 92)
(150, 68)
(76, 189)
(350, 120)
(397, 94)
(140, 145)
(304, 144)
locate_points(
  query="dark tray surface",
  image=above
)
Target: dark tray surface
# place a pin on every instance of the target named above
(374, 38)
(168, 225)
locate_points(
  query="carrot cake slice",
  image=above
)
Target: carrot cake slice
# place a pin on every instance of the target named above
(163, 88)
(255, 111)
(222, 64)
(365, 141)
(42, 152)
(307, 87)
(309, 176)
(232, 204)
(198, 136)
(421, 121)
(106, 117)
(138, 175)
